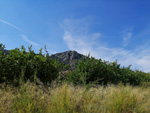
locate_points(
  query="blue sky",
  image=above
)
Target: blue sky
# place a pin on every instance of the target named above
(107, 29)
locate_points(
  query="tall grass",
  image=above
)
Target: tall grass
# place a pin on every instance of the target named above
(66, 98)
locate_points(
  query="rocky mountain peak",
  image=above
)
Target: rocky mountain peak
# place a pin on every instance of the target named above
(68, 57)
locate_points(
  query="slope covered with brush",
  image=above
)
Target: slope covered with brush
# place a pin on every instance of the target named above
(19, 64)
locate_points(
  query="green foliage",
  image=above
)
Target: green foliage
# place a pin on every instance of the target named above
(23, 102)
(20, 65)
(102, 72)
(27, 100)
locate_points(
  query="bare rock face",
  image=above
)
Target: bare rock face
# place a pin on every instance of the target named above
(69, 57)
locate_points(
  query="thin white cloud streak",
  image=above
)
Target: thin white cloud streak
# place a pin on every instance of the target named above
(25, 38)
(126, 35)
(126, 38)
(11, 25)
(85, 44)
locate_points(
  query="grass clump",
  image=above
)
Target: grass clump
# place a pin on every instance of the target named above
(65, 98)
(29, 99)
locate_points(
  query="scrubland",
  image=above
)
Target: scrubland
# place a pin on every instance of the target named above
(66, 98)
(95, 86)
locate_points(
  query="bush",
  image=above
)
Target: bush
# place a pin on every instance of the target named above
(102, 72)
(20, 64)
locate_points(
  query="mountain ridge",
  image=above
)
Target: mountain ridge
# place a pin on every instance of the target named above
(70, 57)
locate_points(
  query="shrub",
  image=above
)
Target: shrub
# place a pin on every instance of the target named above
(20, 64)
(102, 72)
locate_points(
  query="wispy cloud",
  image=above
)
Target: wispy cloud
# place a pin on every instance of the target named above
(12, 25)
(126, 36)
(25, 38)
(79, 39)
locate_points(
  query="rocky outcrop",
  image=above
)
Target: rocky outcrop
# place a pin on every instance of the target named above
(69, 57)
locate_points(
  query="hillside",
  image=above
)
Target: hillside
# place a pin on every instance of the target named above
(68, 57)
(47, 70)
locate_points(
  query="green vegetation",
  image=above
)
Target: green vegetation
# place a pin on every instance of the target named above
(103, 72)
(86, 89)
(75, 99)
(23, 65)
